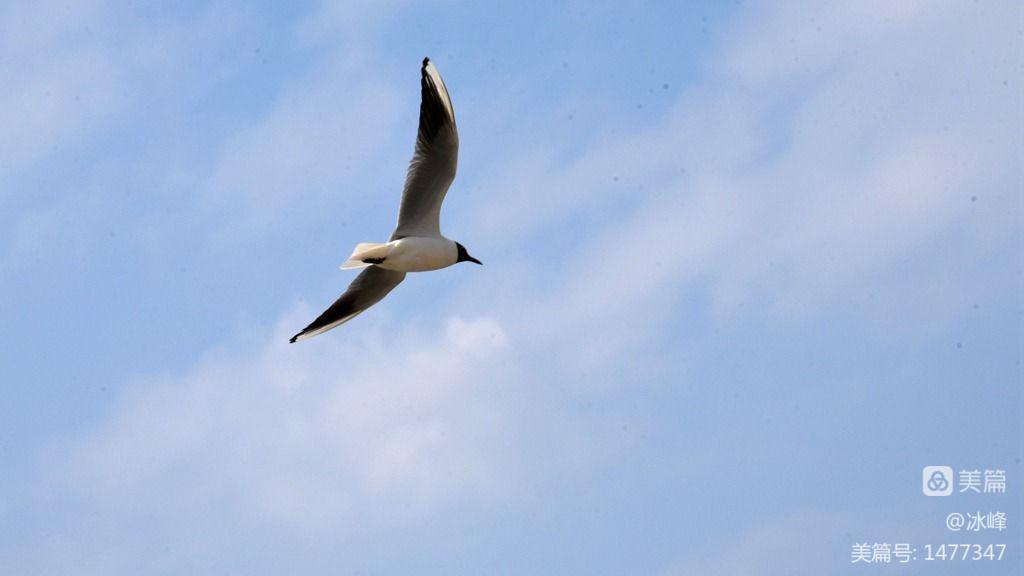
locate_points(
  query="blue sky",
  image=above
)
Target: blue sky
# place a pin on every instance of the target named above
(749, 268)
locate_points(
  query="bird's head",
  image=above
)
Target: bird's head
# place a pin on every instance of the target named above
(464, 256)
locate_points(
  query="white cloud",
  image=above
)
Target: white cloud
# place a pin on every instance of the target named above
(780, 41)
(61, 82)
(807, 164)
(308, 436)
(320, 134)
(778, 184)
(353, 20)
(807, 542)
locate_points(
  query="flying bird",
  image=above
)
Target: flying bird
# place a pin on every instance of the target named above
(416, 245)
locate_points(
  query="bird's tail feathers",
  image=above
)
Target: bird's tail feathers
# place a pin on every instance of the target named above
(365, 251)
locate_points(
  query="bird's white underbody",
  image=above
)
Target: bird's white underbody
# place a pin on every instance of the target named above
(410, 254)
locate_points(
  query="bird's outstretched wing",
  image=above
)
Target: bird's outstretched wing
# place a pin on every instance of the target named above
(372, 285)
(433, 164)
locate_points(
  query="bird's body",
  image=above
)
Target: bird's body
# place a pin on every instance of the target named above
(409, 254)
(416, 245)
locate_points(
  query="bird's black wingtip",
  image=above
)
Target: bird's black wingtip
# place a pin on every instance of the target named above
(426, 61)
(294, 338)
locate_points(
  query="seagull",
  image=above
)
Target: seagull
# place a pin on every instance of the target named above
(416, 245)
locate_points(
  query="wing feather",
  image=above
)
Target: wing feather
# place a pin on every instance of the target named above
(433, 164)
(369, 287)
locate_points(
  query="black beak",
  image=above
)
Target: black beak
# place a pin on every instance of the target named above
(473, 260)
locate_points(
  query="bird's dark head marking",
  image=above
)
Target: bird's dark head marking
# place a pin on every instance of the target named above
(464, 256)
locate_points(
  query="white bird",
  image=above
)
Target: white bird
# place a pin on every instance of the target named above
(416, 245)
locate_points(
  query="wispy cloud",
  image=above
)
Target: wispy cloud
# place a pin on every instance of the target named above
(825, 147)
(807, 163)
(313, 437)
(804, 542)
(320, 134)
(61, 81)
